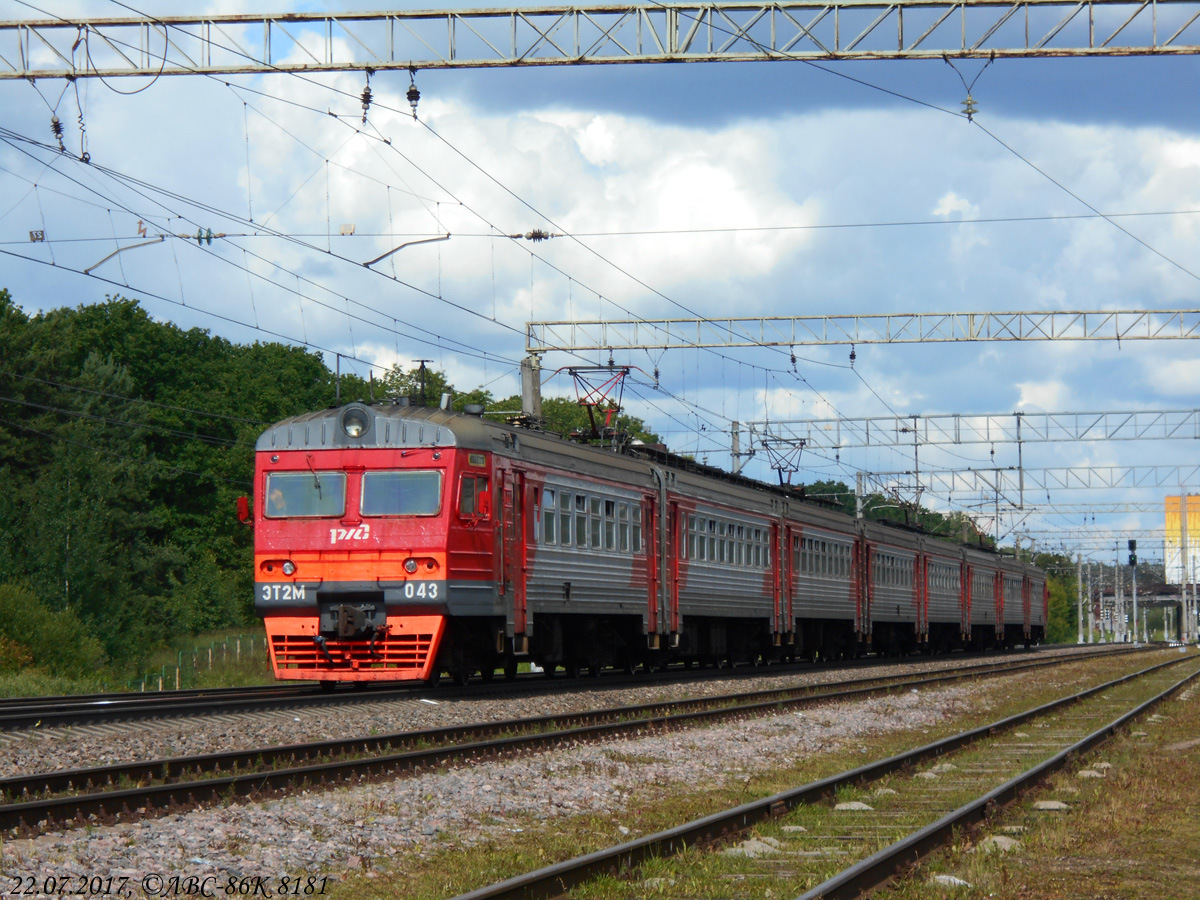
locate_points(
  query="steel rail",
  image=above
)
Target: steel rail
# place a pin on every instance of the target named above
(555, 880)
(593, 724)
(881, 867)
(29, 712)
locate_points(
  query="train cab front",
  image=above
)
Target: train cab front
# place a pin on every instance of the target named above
(350, 545)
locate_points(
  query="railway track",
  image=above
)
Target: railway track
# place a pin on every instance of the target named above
(32, 803)
(24, 713)
(847, 834)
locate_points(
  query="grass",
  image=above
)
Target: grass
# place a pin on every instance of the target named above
(228, 669)
(1131, 834)
(452, 865)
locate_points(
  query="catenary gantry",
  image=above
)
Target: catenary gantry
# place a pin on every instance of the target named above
(992, 428)
(1002, 481)
(596, 34)
(889, 328)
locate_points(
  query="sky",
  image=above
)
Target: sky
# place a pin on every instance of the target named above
(713, 190)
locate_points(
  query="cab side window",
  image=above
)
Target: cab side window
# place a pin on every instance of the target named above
(472, 496)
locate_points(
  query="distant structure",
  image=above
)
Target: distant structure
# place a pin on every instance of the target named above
(1181, 549)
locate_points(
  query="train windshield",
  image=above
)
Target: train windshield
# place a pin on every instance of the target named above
(305, 494)
(408, 492)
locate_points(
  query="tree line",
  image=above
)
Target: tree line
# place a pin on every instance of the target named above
(124, 443)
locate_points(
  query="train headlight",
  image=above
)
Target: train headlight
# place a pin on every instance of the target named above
(289, 568)
(355, 421)
(410, 566)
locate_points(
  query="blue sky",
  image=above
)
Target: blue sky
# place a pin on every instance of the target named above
(609, 153)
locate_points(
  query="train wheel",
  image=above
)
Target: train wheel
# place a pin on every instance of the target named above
(487, 673)
(574, 668)
(328, 686)
(461, 675)
(594, 670)
(510, 668)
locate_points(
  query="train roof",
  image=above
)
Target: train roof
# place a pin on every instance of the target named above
(383, 426)
(396, 426)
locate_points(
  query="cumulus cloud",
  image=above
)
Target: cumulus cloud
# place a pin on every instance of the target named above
(792, 215)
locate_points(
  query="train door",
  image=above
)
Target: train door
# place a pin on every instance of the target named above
(657, 565)
(921, 594)
(676, 532)
(513, 553)
(865, 570)
(998, 591)
(777, 581)
(786, 578)
(966, 573)
(1027, 605)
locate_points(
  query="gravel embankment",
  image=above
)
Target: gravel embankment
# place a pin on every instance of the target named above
(96, 745)
(370, 826)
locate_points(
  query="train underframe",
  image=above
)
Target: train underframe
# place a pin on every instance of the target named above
(586, 644)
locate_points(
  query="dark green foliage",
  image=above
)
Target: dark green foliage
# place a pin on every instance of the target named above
(562, 415)
(1060, 579)
(954, 526)
(124, 443)
(58, 643)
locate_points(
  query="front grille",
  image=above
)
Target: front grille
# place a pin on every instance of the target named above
(399, 652)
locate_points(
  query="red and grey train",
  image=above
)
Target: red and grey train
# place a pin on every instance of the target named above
(399, 543)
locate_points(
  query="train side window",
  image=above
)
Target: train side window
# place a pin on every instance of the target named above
(549, 512)
(581, 526)
(473, 497)
(637, 528)
(564, 518)
(623, 526)
(610, 525)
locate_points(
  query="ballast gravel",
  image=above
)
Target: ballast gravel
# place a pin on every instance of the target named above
(369, 828)
(360, 828)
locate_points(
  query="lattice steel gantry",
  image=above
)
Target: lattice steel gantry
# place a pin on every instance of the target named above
(991, 428)
(596, 34)
(897, 328)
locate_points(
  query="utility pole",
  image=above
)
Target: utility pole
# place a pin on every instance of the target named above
(1119, 591)
(1079, 599)
(531, 386)
(1183, 561)
(1133, 565)
(1091, 606)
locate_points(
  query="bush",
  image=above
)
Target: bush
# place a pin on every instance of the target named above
(57, 643)
(13, 656)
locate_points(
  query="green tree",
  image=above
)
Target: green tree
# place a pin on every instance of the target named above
(55, 641)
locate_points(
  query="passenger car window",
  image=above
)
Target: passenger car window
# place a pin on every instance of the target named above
(292, 495)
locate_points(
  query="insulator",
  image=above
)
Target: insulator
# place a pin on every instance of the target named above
(56, 126)
(413, 96)
(366, 102)
(969, 108)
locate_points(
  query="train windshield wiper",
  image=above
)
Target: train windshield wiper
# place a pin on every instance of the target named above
(316, 477)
